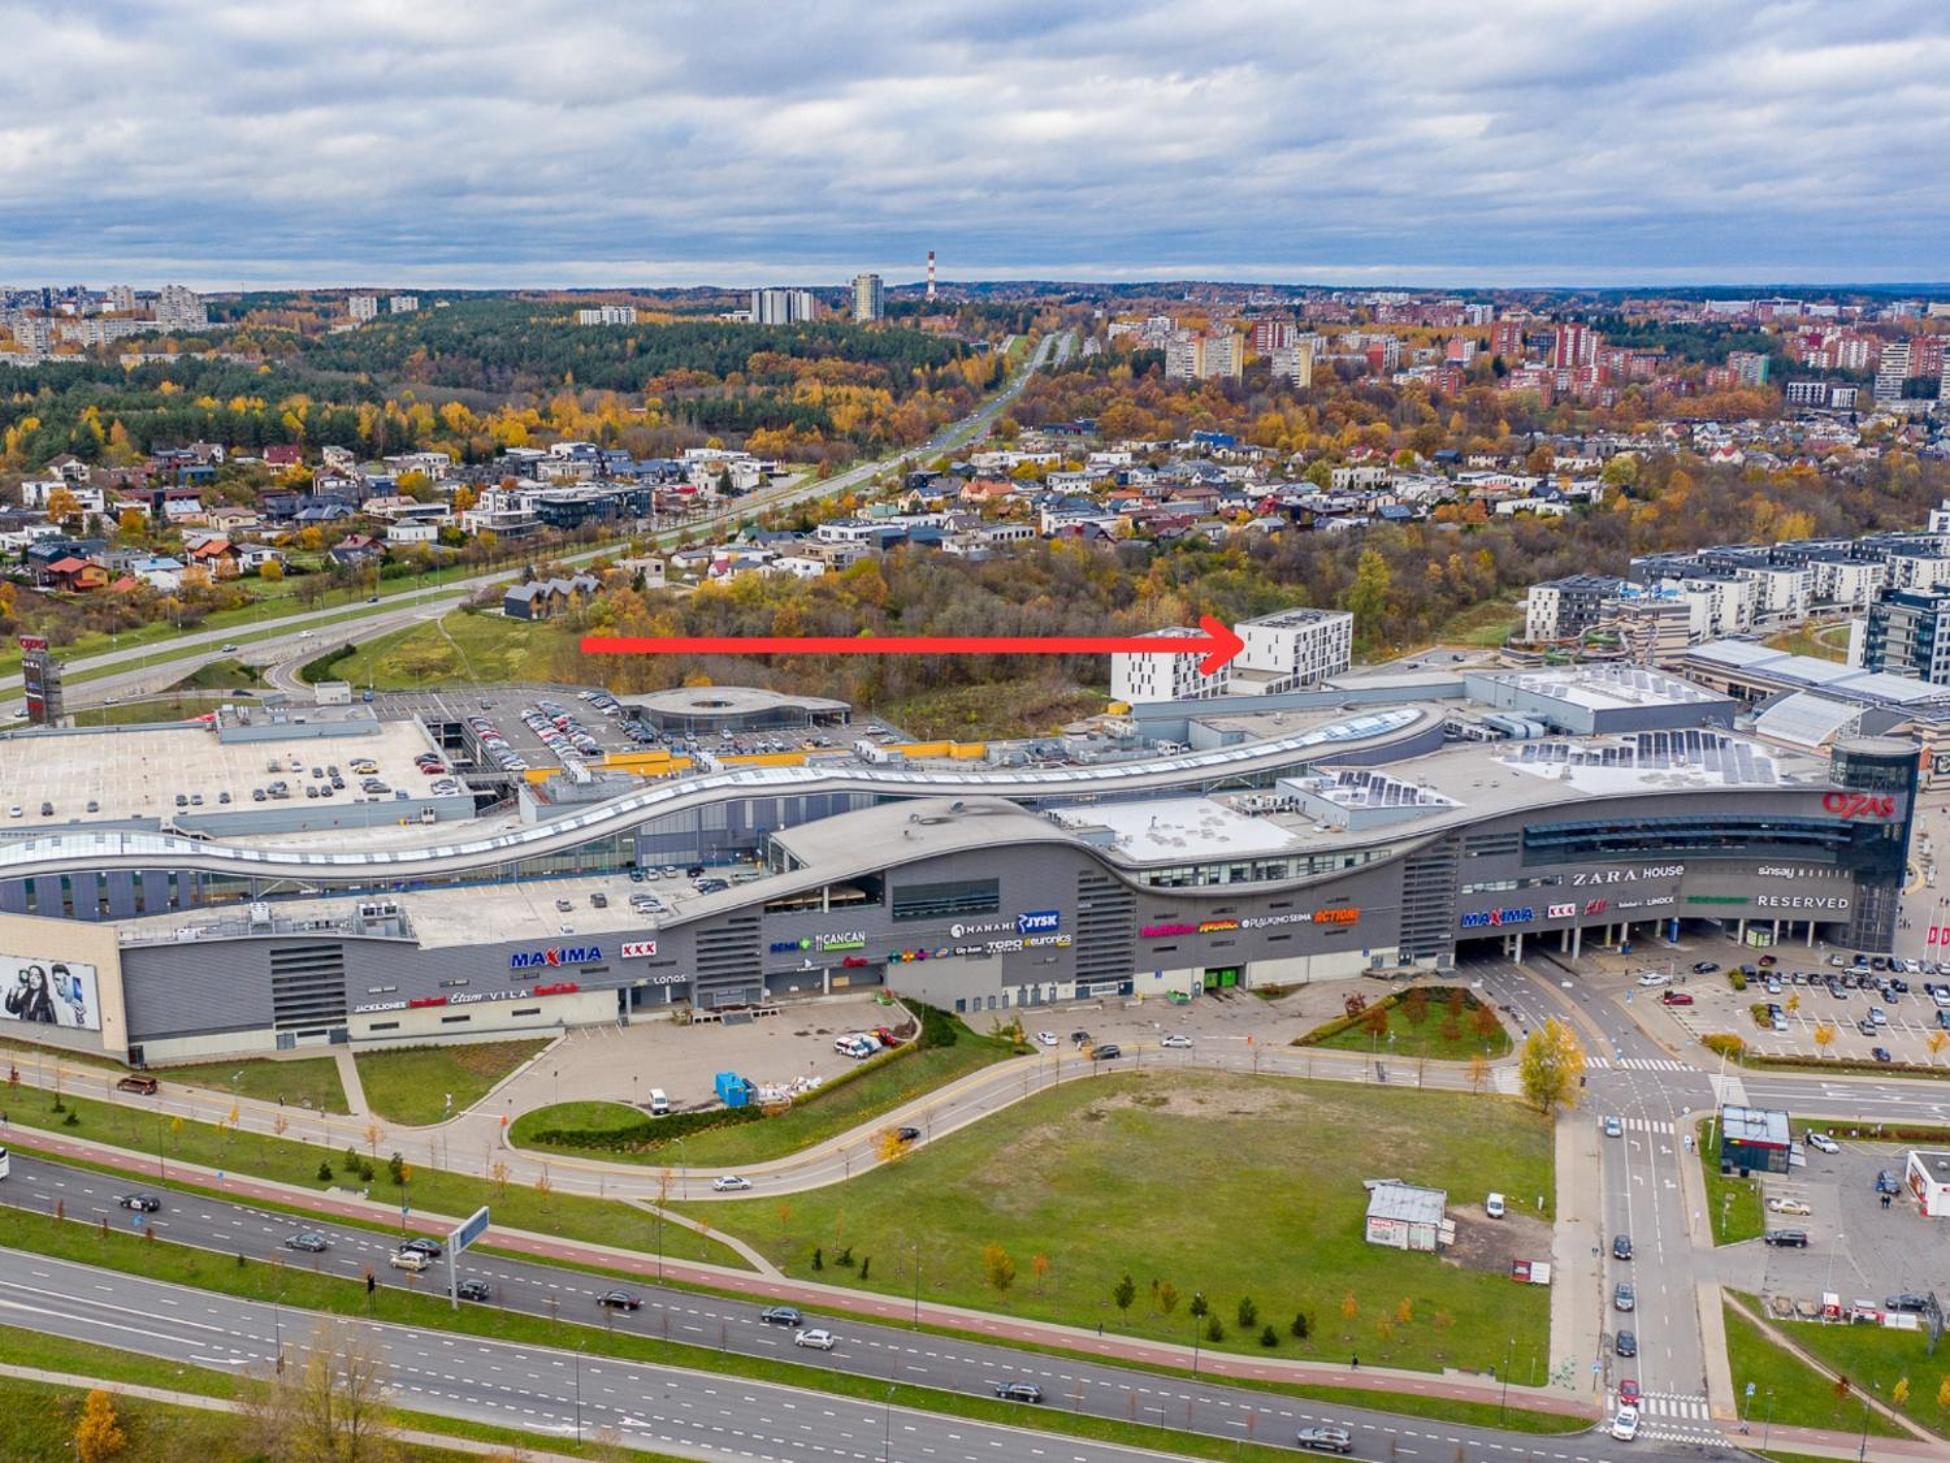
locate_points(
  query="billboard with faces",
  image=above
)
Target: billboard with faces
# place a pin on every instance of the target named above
(45, 992)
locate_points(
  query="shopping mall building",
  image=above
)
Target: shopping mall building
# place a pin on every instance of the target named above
(1353, 839)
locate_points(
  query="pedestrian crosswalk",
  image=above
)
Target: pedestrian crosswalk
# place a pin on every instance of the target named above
(1673, 1404)
(1641, 1064)
(1647, 1125)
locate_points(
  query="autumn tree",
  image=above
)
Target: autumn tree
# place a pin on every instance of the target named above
(1368, 597)
(272, 572)
(99, 1435)
(998, 1268)
(332, 1408)
(1551, 1067)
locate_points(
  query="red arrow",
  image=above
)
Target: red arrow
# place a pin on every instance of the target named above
(1217, 643)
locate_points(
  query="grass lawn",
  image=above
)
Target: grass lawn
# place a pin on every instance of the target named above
(1006, 709)
(295, 1160)
(1809, 642)
(1801, 1396)
(1732, 1203)
(1231, 1186)
(1488, 623)
(302, 1082)
(1448, 1409)
(475, 649)
(1433, 1035)
(411, 1086)
(803, 1125)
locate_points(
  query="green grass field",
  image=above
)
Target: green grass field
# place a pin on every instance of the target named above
(1487, 624)
(804, 1125)
(1796, 1395)
(317, 1138)
(1733, 1204)
(976, 713)
(461, 648)
(1407, 1038)
(411, 1085)
(303, 1082)
(1231, 1186)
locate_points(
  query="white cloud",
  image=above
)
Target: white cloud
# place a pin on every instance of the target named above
(547, 141)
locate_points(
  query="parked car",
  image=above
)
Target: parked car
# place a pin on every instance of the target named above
(1677, 998)
(1907, 1301)
(1788, 1206)
(1018, 1391)
(1787, 1239)
(1046, 1038)
(1705, 967)
(782, 1316)
(1821, 1142)
(1654, 978)
(308, 1240)
(818, 1340)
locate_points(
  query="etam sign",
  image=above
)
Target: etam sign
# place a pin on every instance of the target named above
(1859, 807)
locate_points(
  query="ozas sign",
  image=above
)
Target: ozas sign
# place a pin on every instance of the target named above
(1857, 806)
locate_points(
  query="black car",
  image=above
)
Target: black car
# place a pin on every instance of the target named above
(1705, 967)
(619, 1300)
(473, 1290)
(782, 1316)
(909, 1135)
(1787, 1239)
(310, 1241)
(431, 1248)
(1621, 1247)
(1110, 1051)
(1019, 1391)
(695, 871)
(141, 1203)
(1625, 1343)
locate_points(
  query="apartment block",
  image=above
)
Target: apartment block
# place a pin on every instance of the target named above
(1284, 650)
(1908, 634)
(1561, 609)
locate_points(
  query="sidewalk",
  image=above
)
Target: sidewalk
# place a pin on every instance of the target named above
(890, 1310)
(1577, 1264)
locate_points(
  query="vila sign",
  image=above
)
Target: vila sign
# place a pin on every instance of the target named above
(554, 956)
(1856, 806)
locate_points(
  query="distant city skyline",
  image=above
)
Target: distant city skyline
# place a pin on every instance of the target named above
(543, 144)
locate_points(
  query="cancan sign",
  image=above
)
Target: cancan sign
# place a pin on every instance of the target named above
(1856, 806)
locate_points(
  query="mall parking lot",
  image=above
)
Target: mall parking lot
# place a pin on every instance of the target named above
(1855, 1246)
(1909, 1019)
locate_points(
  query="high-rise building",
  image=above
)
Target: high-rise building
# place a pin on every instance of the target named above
(1506, 340)
(178, 308)
(1283, 650)
(1294, 362)
(1892, 370)
(1271, 335)
(1575, 345)
(1201, 357)
(783, 307)
(869, 298)
(363, 307)
(121, 299)
(403, 304)
(1909, 634)
(1749, 367)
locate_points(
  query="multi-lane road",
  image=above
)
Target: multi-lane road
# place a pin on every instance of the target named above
(881, 1352)
(145, 670)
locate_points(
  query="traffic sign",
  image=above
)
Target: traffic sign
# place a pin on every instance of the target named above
(1750, 1389)
(471, 1229)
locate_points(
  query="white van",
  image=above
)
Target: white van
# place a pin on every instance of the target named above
(1493, 1206)
(659, 1104)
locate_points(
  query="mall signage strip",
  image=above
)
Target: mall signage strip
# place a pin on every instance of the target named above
(1218, 644)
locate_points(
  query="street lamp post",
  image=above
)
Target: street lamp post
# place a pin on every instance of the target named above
(1503, 1402)
(578, 1394)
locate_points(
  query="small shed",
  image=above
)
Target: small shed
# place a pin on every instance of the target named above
(1405, 1217)
(1753, 1140)
(1928, 1176)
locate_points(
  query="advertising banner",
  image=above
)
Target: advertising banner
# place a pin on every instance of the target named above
(47, 992)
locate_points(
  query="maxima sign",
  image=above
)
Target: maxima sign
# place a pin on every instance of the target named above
(552, 956)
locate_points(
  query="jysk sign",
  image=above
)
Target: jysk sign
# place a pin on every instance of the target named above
(553, 956)
(1498, 918)
(1038, 922)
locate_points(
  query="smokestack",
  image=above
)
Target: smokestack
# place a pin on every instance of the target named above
(930, 274)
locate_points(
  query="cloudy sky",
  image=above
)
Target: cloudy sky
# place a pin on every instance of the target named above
(562, 142)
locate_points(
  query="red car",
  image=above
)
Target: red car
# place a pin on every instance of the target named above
(1677, 998)
(1628, 1393)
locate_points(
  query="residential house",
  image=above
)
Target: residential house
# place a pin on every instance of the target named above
(357, 548)
(72, 573)
(159, 572)
(543, 599)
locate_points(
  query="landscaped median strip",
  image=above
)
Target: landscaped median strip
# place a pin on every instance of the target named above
(300, 1290)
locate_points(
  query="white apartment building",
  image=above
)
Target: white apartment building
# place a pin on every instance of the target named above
(1919, 571)
(869, 298)
(1202, 357)
(1718, 606)
(363, 307)
(403, 304)
(607, 315)
(1284, 650)
(783, 307)
(1781, 591)
(1294, 362)
(1849, 583)
(1892, 370)
(1135, 676)
(180, 308)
